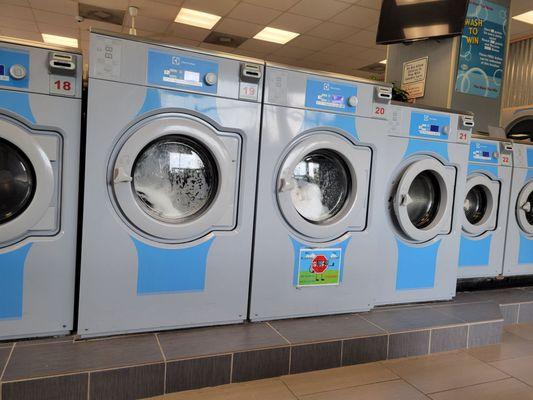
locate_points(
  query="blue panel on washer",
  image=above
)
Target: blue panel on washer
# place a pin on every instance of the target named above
(416, 265)
(331, 96)
(297, 246)
(418, 146)
(161, 99)
(12, 282)
(317, 119)
(18, 103)
(165, 69)
(427, 125)
(483, 152)
(8, 58)
(474, 252)
(525, 250)
(171, 270)
(530, 157)
(491, 169)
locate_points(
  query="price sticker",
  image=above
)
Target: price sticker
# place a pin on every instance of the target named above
(62, 85)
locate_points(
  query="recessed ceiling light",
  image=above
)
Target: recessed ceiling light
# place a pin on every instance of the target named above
(526, 17)
(276, 35)
(197, 18)
(60, 40)
(383, 62)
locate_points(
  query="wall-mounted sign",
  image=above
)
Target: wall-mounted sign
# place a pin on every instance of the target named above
(480, 66)
(414, 77)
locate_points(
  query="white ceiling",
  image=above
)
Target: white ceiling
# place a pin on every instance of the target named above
(335, 35)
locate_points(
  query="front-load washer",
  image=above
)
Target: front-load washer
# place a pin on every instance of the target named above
(40, 118)
(426, 156)
(485, 208)
(314, 246)
(172, 143)
(518, 258)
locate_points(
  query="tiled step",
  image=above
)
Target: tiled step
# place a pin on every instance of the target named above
(137, 366)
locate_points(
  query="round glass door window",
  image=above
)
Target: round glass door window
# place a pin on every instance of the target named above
(424, 194)
(17, 181)
(475, 205)
(322, 186)
(174, 179)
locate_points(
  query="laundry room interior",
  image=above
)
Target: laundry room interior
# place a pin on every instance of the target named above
(266, 199)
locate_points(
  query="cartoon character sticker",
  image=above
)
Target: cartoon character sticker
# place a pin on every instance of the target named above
(319, 267)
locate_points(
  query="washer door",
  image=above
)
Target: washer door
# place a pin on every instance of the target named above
(524, 209)
(175, 178)
(322, 186)
(26, 179)
(481, 204)
(423, 200)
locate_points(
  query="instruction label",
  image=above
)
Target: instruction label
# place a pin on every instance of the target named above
(319, 267)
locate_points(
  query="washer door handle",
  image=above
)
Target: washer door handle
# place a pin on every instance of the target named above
(405, 200)
(526, 206)
(121, 176)
(285, 185)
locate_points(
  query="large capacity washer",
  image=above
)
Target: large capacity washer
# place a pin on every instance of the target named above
(172, 142)
(518, 258)
(420, 216)
(314, 247)
(40, 116)
(486, 205)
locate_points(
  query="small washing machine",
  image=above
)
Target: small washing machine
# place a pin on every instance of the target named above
(40, 118)
(519, 242)
(426, 156)
(172, 143)
(314, 245)
(486, 205)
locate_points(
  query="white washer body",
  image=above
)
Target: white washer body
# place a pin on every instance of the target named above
(420, 203)
(169, 187)
(315, 246)
(485, 208)
(40, 116)
(519, 242)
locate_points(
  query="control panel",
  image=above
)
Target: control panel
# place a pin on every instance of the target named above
(331, 96)
(484, 152)
(14, 68)
(429, 125)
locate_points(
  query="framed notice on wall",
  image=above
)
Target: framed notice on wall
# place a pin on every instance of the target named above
(414, 77)
(481, 58)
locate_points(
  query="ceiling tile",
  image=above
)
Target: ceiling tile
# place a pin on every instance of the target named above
(374, 55)
(249, 53)
(318, 9)
(16, 33)
(89, 23)
(280, 59)
(177, 41)
(171, 2)
(318, 58)
(11, 11)
(112, 4)
(153, 9)
(148, 24)
(68, 7)
(236, 27)
(217, 7)
(47, 17)
(344, 49)
(19, 24)
(58, 30)
(329, 30)
(282, 5)
(253, 13)
(375, 4)
(294, 23)
(188, 32)
(259, 46)
(311, 42)
(362, 38)
(358, 17)
(217, 47)
(24, 3)
(293, 52)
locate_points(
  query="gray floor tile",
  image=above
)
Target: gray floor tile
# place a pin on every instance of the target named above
(446, 339)
(364, 350)
(4, 355)
(218, 340)
(67, 357)
(305, 330)
(198, 373)
(407, 344)
(312, 357)
(525, 313)
(485, 334)
(71, 387)
(128, 383)
(260, 364)
(509, 313)
(472, 312)
(413, 318)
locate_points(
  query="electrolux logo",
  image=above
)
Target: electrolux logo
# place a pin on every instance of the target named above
(175, 60)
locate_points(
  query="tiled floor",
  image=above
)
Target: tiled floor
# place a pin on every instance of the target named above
(497, 372)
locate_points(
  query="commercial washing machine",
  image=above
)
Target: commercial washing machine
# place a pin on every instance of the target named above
(426, 156)
(314, 247)
(486, 205)
(40, 117)
(519, 242)
(172, 143)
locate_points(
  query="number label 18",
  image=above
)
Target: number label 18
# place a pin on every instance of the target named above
(62, 85)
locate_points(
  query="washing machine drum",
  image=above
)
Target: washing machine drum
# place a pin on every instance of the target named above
(480, 204)
(423, 200)
(524, 209)
(322, 186)
(175, 178)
